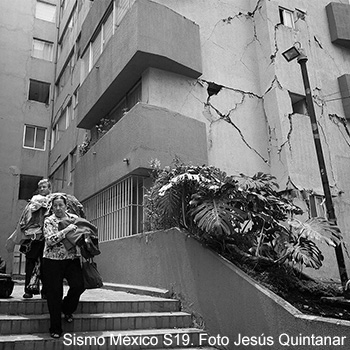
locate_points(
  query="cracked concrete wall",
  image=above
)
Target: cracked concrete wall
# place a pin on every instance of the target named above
(17, 29)
(234, 117)
(293, 156)
(244, 95)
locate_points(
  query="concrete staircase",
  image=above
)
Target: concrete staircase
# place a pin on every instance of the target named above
(105, 319)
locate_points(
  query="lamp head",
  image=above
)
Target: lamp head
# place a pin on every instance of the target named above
(291, 53)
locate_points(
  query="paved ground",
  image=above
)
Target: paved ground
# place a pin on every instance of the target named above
(98, 294)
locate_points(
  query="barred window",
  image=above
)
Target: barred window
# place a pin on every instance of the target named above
(118, 210)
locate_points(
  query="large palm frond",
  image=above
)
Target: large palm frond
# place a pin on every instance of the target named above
(260, 182)
(169, 203)
(304, 252)
(216, 214)
(317, 228)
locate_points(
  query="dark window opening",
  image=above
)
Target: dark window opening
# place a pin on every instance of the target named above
(28, 185)
(39, 91)
(298, 103)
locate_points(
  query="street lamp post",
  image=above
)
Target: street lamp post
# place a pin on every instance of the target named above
(302, 59)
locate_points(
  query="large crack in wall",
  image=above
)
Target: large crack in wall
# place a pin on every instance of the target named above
(214, 88)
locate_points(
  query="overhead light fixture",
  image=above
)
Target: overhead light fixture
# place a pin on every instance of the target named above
(291, 53)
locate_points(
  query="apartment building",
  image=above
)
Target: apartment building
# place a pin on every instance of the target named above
(203, 81)
(28, 40)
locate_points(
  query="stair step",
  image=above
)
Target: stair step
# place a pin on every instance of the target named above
(39, 307)
(157, 339)
(17, 324)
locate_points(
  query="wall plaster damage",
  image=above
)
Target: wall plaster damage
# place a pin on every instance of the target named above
(215, 113)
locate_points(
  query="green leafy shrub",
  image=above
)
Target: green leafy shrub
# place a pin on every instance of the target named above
(240, 217)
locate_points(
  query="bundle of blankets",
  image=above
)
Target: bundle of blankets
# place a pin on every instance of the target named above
(85, 237)
(30, 224)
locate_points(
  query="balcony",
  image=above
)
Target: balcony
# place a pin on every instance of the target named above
(146, 132)
(150, 35)
(339, 24)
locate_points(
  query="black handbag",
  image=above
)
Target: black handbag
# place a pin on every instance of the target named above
(34, 283)
(6, 285)
(91, 276)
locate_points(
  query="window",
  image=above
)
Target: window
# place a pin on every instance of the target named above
(73, 161)
(42, 49)
(129, 101)
(34, 137)
(39, 91)
(100, 39)
(53, 137)
(96, 47)
(45, 11)
(107, 27)
(28, 185)
(122, 8)
(85, 65)
(298, 103)
(68, 30)
(66, 74)
(60, 176)
(317, 206)
(286, 17)
(75, 104)
(62, 124)
(123, 106)
(118, 210)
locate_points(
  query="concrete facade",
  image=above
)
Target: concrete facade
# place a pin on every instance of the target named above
(203, 65)
(18, 27)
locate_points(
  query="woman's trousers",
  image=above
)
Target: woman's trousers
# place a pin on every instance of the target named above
(54, 272)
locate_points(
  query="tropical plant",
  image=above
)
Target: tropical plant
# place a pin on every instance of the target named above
(236, 215)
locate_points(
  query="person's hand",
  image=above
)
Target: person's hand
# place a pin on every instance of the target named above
(71, 227)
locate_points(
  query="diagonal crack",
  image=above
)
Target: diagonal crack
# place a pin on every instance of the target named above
(227, 118)
(214, 89)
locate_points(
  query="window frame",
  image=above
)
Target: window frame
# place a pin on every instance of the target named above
(283, 17)
(42, 82)
(318, 206)
(22, 189)
(45, 42)
(45, 4)
(35, 137)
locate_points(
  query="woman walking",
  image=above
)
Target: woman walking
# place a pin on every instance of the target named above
(59, 263)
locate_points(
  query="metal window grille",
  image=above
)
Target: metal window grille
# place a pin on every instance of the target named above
(118, 210)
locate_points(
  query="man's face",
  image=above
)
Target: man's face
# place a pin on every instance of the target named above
(44, 189)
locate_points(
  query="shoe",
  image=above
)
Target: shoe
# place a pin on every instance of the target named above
(55, 335)
(27, 295)
(68, 318)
